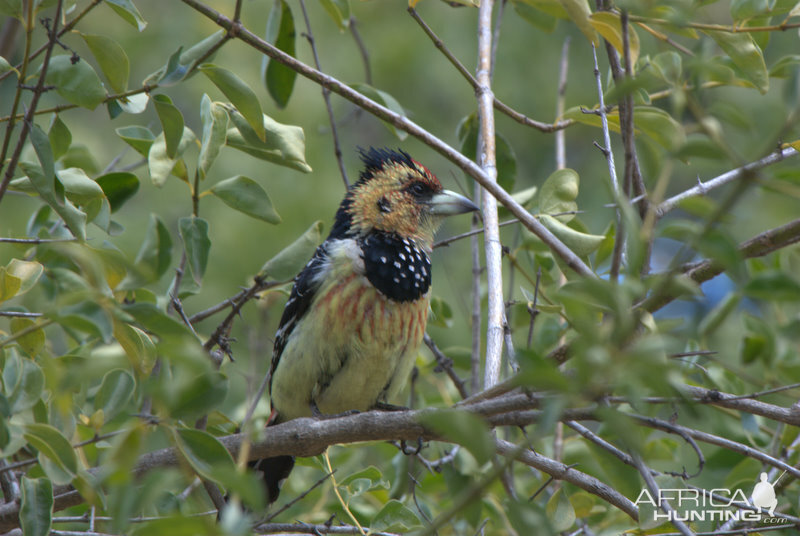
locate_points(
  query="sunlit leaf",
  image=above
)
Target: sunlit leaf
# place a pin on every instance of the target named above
(279, 78)
(247, 196)
(581, 244)
(579, 12)
(33, 341)
(609, 25)
(158, 161)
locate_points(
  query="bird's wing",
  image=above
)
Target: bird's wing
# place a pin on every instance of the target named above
(305, 288)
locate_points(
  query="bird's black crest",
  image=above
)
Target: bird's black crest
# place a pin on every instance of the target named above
(375, 159)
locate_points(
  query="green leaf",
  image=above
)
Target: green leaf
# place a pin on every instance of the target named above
(284, 145)
(785, 67)
(463, 428)
(159, 163)
(279, 78)
(23, 381)
(560, 511)
(52, 444)
(179, 63)
(74, 219)
(773, 286)
(156, 252)
(609, 25)
(203, 451)
(114, 393)
(241, 96)
(33, 342)
(194, 233)
(742, 10)
(506, 160)
(339, 11)
(112, 59)
(386, 100)
(140, 138)
(559, 193)
(285, 265)
(582, 244)
(59, 136)
(12, 8)
(363, 481)
(441, 313)
(36, 509)
(660, 126)
(118, 187)
(171, 122)
(87, 317)
(394, 517)
(746, 55)
(9, 284)
(77, 83)
(44, 152)
(215, 127)
(28, 273)
(579, 12)
(78, 186)
(536, 17)
(128, 12)
(247, 196)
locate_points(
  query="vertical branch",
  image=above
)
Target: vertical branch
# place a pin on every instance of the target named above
(619, 241)
(487, 161)
(561, 143)
(326, 95)
(475, 248)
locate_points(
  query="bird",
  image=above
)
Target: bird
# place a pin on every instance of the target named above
(356, 315)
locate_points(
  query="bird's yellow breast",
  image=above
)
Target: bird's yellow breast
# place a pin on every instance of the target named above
(355, 346)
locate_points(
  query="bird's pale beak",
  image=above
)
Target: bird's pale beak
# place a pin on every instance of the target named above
(448, 203)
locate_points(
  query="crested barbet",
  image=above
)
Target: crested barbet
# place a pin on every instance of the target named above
(356, 315)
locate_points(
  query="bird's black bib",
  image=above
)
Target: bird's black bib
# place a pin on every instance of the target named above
(396, 266)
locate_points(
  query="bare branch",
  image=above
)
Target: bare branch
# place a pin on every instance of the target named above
(703, 188)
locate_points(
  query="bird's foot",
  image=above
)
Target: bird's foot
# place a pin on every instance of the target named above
(385, 406)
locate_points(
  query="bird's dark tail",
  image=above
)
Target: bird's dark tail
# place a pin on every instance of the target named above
(273, 471)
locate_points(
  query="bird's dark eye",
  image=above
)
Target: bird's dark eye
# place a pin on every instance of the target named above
(418, 189)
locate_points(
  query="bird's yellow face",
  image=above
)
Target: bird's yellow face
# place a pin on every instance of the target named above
(403, 198)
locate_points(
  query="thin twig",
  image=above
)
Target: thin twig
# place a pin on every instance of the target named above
(500, 106)
(446, 364)
(650, 482)
(297, 499)
(362, 49)
(703, 188)
(326, 96)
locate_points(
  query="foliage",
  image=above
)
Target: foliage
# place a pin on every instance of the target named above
(131, 355)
